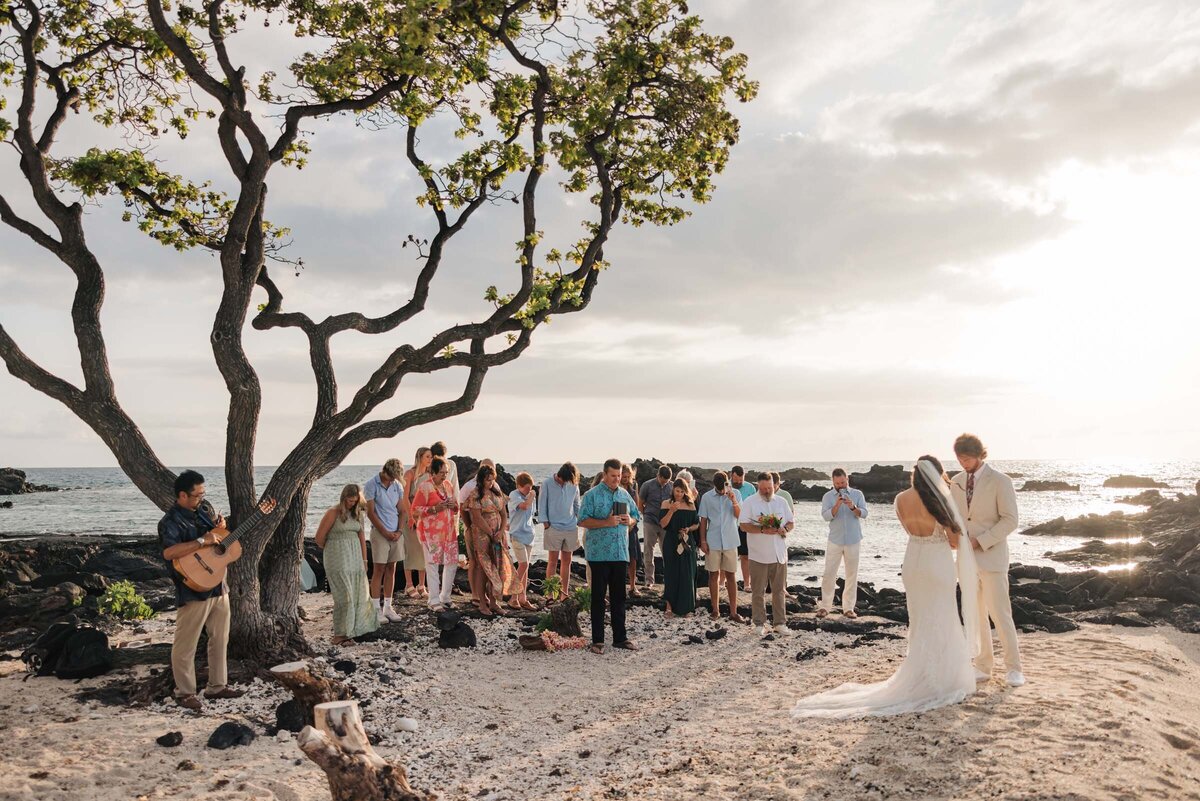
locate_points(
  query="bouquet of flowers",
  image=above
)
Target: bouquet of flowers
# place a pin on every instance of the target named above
(556, 642)
(769, 521)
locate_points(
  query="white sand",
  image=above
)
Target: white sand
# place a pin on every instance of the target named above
(1108, 713)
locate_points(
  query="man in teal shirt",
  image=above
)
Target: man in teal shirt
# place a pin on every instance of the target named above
(607, 552)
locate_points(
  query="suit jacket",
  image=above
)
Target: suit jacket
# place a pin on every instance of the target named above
(992, 515)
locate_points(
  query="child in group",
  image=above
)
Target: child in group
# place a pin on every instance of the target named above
(522, 502)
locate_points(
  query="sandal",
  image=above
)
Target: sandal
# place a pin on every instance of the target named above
(411, 592)
(596, 648)
(526, 605)
(626, 646)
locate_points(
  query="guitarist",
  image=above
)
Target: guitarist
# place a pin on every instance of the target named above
(183, 531)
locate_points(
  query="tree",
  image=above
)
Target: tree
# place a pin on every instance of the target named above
(626, 100)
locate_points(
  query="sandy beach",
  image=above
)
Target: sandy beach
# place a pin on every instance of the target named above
(1108, 713)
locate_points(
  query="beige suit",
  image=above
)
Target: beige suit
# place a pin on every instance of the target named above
(991, 517)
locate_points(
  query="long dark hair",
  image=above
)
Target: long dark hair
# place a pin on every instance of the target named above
(485, 472)
(682, 484)
(931, 497)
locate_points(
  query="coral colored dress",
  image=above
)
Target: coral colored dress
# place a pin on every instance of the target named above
(436, 530)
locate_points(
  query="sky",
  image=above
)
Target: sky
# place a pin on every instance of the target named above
(941, 217)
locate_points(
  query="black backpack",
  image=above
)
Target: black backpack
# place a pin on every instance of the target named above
(86, 654)
(69, 650)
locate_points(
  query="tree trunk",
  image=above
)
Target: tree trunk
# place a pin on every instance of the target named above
(339, 745)
(264, 597)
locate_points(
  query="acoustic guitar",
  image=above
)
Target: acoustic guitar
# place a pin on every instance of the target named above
(205, 569)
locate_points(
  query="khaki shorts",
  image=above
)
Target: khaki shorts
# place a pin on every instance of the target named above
(521, 552)
(383, 550)
(556, 539)
(725, 560)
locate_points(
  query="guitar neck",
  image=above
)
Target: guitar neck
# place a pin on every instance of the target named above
(240, 530)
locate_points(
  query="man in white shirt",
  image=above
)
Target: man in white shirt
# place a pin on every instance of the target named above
(767, 543)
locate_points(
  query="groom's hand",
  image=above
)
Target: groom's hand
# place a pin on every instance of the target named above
(975, 544)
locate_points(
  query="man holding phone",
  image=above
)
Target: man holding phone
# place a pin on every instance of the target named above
(843, 508)
(606, 512)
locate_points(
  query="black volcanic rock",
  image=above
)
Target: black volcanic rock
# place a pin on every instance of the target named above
(12, 482)
(882, 482)
(1091, 526)
(1134, 482)
(1048, 486)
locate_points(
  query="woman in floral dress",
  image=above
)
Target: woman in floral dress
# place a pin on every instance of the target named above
(414, 554)
(488, 530)
(434, 508)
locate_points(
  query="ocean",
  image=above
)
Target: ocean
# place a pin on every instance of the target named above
(103, 501)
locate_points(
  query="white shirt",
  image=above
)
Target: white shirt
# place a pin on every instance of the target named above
(766, 548)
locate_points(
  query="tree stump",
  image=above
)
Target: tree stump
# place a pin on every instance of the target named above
(564, 618)
(339, 746)
(307, 687)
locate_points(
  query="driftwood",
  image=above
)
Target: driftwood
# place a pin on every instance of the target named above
(308, 688)
(339, 746)
(532, 642)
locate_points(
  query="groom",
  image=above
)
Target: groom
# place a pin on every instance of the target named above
(987, 501)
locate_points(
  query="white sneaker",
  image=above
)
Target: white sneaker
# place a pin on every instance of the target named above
(380, 616)
(981, 676)
(781, 630)
(390, 613)
(762, 631)
(1015, 678)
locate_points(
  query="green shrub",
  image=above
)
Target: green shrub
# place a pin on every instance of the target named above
(121, 600)
(551, 587)
(543, 623)
(583, 597)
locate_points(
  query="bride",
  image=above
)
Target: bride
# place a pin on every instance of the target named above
(937, 669)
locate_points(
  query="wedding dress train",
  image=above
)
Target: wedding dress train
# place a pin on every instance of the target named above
(937, 669)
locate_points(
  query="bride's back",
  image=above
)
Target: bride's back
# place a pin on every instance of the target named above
(913, 515)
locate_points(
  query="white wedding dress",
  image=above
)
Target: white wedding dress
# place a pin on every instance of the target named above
(937, 669)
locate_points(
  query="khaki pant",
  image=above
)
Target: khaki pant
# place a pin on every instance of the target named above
(835, 555)
(652, 534)
(760, 574)
(994, 602)
(212, 615)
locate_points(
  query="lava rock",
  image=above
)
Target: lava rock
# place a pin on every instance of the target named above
(715, 634)
(230, 734)
(346, 666)
(809, 653)
(453, 632)
(1048, 486)
(1133, 482)
(291, 716)
(171, 739)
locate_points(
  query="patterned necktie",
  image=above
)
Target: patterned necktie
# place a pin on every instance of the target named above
(970, 488)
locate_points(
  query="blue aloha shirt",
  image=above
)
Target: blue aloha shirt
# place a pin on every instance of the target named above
(609, 544)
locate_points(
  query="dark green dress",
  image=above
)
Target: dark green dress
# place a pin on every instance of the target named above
(679, 569)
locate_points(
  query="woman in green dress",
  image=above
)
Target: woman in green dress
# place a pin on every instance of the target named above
(680, 523)
(343, 544)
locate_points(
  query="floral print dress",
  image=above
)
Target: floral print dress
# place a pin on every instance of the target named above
(436, 529)
(487, 541)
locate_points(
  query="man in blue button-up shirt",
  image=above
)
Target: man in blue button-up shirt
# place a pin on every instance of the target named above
(607, 552)
(843, 508)
(719, 510)
(558, 511)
